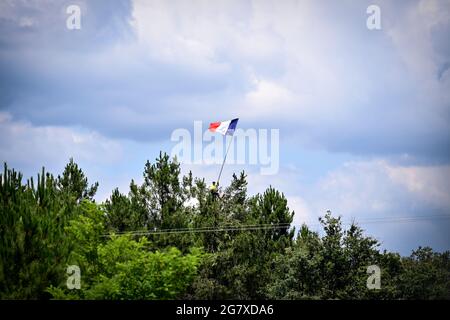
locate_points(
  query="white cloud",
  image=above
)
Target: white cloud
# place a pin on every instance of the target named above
(302, 211)
(306, 63)
(176, 33)
(412, 32)
(365, 190)
(370, 188)
(264, 97)
(430, 184)
(309, 68)
(310, 64)
(25, 144)
(420, 40)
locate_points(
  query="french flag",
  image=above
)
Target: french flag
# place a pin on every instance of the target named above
(224, 127)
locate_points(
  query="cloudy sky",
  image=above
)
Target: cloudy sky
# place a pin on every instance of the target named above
(363, 115)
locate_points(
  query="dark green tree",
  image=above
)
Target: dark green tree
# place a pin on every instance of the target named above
(33, 246)
(119, 267)
(122, 214)
(241, 262)
(144, 244)
(159, 204)
(426, 275)
(331, 267)
(74, 183)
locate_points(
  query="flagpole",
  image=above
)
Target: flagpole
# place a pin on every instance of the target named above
(225, 158)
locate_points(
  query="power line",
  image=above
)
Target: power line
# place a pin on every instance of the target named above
(224, 228)
(207, 229)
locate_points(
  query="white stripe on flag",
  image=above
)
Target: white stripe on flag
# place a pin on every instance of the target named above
(223, 127)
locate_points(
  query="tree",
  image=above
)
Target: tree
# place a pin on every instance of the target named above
(271, 208)
(235, 199)
(241, 262)
(162, 192)
(297, 273)
(122, 215)
(156, 205)
(118, 267)
(74, 183)
(33, 245)
(232, 247)
(331, 267)
(426, 275)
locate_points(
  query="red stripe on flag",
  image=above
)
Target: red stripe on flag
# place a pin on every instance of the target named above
(213, 126)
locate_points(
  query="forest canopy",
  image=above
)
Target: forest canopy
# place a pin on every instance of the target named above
(170, 238)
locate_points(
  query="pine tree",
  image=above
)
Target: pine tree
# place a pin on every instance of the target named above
(75, 184)
(33, 245)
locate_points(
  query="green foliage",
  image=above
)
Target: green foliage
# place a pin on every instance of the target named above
(297, 273)
(242, 261)
(331, 267)
(121, 215)
(156, 204)
(426, 275)
(118, 267)
(162, 191)
(33, 245)
(75, 184)
(142, 245)
(122, 268)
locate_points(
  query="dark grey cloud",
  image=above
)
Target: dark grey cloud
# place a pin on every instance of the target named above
(102, 78)
(36, 25)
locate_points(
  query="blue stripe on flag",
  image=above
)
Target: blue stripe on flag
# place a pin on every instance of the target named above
(232, 126)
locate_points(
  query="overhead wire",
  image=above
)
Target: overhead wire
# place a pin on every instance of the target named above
(224, 228)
